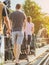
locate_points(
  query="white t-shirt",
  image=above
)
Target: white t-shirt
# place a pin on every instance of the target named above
(29, 27)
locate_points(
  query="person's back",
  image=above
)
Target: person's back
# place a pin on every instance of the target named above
(17, 20)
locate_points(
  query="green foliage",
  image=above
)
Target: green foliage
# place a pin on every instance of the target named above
(46, 23)
(33, 10)
(11, 10)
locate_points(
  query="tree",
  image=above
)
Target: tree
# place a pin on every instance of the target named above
(33, 10)
(46, 23)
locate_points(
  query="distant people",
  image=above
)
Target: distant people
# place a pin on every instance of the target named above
(42, 32)
(42, 35)
(18, 25)
(29, 31)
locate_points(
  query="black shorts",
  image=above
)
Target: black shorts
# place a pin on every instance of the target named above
(29, 39)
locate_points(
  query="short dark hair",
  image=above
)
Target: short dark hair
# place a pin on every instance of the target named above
(18, 6)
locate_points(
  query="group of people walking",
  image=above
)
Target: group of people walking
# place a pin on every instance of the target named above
(17, 24)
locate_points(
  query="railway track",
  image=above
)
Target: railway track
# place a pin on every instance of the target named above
(46, 62)
(42, 60)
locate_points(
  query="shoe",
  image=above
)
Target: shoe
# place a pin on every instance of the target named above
(17, 64)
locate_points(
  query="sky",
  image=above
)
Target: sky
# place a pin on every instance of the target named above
(44, 4)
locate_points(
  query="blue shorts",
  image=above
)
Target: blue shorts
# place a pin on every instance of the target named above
(17, 37)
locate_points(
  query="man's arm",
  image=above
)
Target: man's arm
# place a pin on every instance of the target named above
(7, 22)
(10, 17)
(25, 21)
(6, 19)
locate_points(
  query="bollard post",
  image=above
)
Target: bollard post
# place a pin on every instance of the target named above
(1, 49)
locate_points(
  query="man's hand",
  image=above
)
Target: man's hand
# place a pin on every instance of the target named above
(8, 31)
